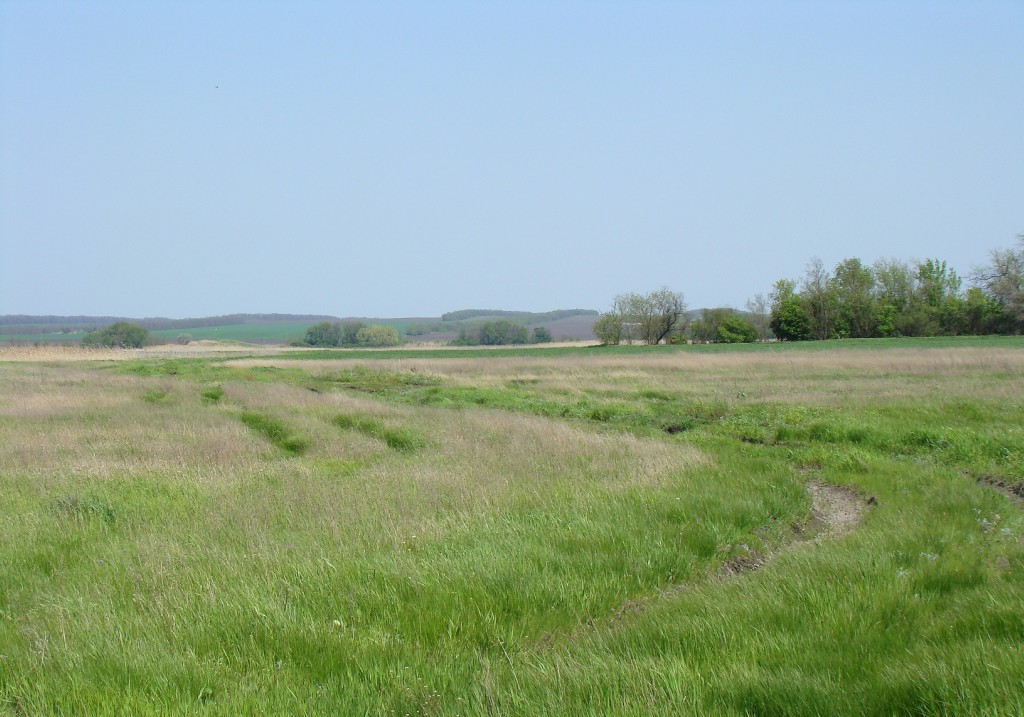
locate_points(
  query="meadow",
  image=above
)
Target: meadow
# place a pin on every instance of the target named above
(829, 528)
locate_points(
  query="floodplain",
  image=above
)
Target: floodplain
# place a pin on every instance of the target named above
(565, 531)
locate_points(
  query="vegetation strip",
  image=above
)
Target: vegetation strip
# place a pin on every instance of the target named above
(276, 431)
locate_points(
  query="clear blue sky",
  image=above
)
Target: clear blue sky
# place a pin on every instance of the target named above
(409, 158)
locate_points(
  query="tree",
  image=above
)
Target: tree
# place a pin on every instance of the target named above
(734, 329)
(984, 315)
(938, 304)
(817, 292)
(894, 291)
(378, 335)
(608, 329)
(350, 333)
(1003, 281)
(119, 335)
(705, 329)
(790, 319)
(541, 335)
(760, 316)
(650, 317)
(853, 288)
(323, 334)
(502, 332)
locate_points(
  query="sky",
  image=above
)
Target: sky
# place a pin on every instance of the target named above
(386, 159)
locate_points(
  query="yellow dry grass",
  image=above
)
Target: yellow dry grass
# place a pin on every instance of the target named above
(801, 377)
(195, 349)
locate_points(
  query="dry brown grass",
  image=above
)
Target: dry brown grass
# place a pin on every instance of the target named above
(195, 349)
(801, 377)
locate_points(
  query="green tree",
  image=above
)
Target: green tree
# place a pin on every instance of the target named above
(734, 329)
(853, 287)
(541, 335)
(759, 314)
(817, 291)
(894, 291)
(1003, 281)
(378, 335)
(705, 329)
(323, 334)
(791, 320)
(939, 304)
(502, 332)
(350, 332)
(608, 329)
(650, 317)
(120, 335)
(984, 315)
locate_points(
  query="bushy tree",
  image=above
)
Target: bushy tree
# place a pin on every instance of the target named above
(853, 289)
(651, 317)
(819, 299)
(734, 329)
(541, 335)
(377, 335)
(323, 334)
(349, 332)
(937, 306)
(502, 332)
(984, 315)
(1003, 281)
(120, 335)
(608, 329)
(705, 329)
(791, 320)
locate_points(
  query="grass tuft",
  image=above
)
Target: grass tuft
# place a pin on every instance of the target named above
(213, 394)
(156, 395)
(276, 431)
(405, 440)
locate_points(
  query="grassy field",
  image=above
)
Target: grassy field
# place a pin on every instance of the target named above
(558, 531)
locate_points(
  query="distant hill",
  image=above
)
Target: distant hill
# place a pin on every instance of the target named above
(20, 323)
(285, 328)
(527, 316)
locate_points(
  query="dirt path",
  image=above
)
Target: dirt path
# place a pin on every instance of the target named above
(835, 511)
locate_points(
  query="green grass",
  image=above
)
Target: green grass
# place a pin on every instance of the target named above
(276, 431)
(531, 537)
(941, 342)
(401, 439)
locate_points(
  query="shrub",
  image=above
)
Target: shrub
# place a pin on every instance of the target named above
(790, 321)
(736, 330)
(324, 333)
(502, 332)
(119, 335)
(608, 329)
(377, 335)
(541, 335)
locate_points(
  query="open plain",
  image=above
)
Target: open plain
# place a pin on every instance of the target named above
(567, 531)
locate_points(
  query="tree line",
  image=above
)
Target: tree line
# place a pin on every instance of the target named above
(500, 332)
(327, 334)
(852, 300)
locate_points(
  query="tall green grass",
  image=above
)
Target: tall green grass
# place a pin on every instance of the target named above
(511, 544)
